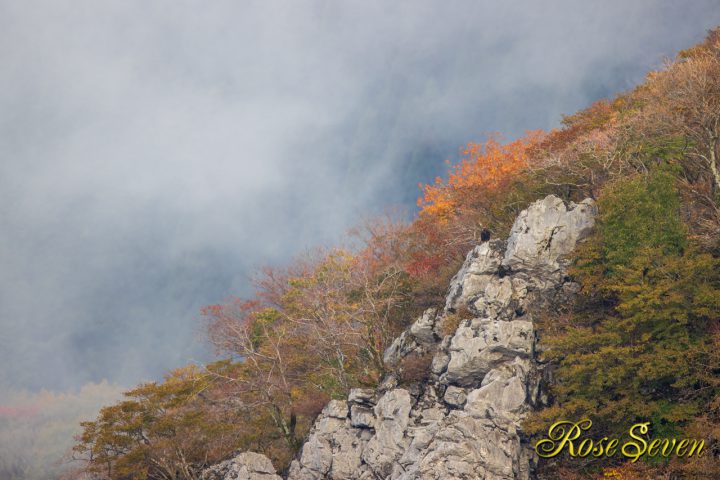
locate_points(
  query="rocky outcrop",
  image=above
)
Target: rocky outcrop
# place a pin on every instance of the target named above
(245, 466)
(465, 421)
(421, 337)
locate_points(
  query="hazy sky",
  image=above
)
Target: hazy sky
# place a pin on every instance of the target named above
(153, 153)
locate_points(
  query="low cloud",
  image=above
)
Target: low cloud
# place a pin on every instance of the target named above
(37, 429)
(155, 153)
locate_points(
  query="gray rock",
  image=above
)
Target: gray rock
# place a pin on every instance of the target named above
(334, 447)
(392, 414)
(336, 409)
(423, 330)
(455, 396)
(480, 267)
(486, 369)
(362, 416)
(469, 447)
(361, 396)
(477, 349)
(547, 230)
(400, 347)
(503, 396)
(419, 338)
(245, 466)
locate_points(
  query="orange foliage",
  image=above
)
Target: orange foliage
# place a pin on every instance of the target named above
(485, 167)
(453, 212)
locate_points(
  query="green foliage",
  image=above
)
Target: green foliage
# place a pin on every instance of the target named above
(640, 213)
(648, 304)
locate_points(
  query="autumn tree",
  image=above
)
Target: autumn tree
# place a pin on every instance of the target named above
(684, 99)
(485, 168)
(576, 161)
(314, 330)
(165, 431)
(484, 191)
(342, 310)
(638, 339)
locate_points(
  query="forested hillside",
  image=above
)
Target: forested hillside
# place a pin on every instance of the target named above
(642, 341)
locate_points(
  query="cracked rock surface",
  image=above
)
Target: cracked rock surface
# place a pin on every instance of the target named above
(245, 466)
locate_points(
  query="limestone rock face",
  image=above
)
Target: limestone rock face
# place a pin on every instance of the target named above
(465, 421)
(546, 231)
(484, 345)
(246, 466)
(481, 266)
(421, 337)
